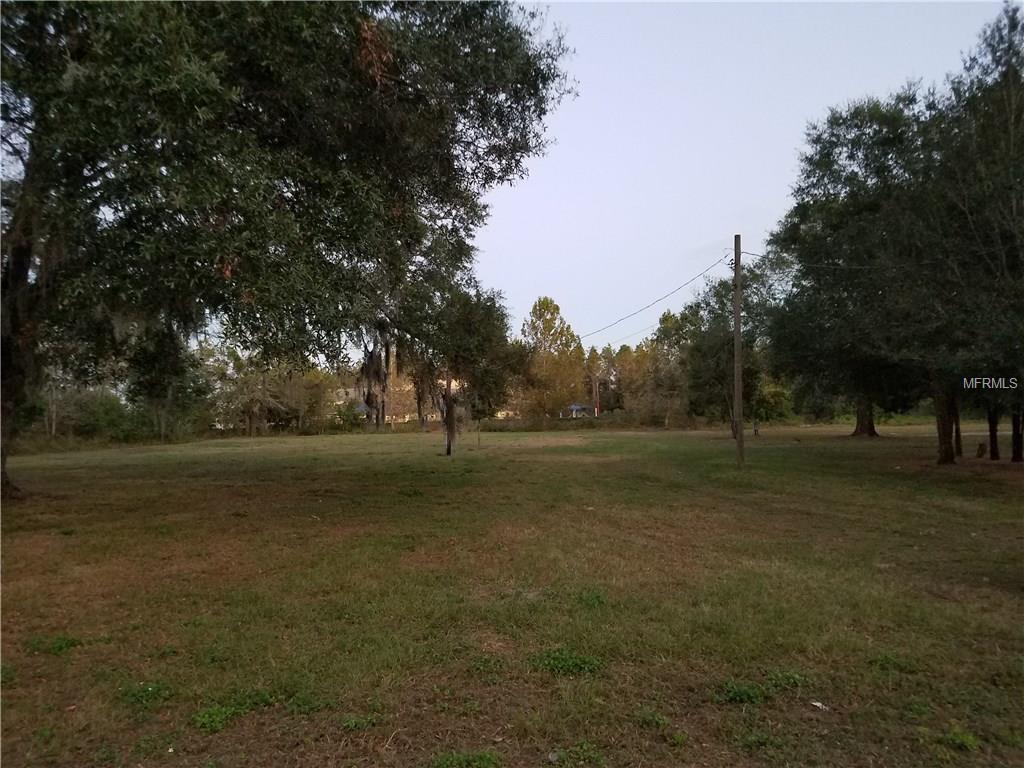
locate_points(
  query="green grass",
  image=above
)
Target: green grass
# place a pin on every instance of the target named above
(603, 598)
(359, 722)
(144, 696)
(651, 718)
(564, 661)
(55, 646)
(216, 717)
(582, 754)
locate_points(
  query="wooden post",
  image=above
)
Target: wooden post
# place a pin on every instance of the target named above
(737, 345)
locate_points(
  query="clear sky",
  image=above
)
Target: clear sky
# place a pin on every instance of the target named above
(686, 130)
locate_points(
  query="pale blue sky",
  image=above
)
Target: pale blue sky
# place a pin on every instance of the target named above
(687, 129)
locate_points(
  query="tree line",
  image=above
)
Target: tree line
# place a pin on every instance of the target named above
(306, 181)
(896, 276)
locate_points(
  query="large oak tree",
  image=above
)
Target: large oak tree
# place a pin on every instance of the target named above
(286, 170)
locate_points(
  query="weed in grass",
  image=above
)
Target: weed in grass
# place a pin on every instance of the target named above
(739, 692)
(650, 718)
(487, 665)
(212, 657)
(303, 704)
(592, 598)
(780, 681)
(888, 662)
(677, 739)
(757, 739)
(919, 707)
(1011, 737)
(55, 646)
(165, 653)
(582, 754)
(359, 722)
(247, 701)
(105, 755)
(466, 760)
(44, 736)
(216, 717)
(152, 745)
(960, 738)
(6, 675)
(144, 696)
(565, 662)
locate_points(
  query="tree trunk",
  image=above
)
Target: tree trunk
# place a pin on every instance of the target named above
(1017, 435)
(18, 300)
(865, 419)
(993, 433)
(944, 424)
(7, 488)
(384, 384)
(449, 418)
(51, 412)
(958, 443)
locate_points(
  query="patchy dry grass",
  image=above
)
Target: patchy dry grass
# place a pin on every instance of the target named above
(584, 599)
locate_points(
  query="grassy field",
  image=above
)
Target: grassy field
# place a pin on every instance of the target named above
(590, 599)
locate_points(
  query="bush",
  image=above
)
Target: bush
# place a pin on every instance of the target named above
(348, 418)
(100, 414)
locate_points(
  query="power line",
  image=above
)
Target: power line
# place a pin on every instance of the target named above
(660, 298)
(634, 333)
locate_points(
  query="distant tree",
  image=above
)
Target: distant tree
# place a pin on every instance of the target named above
(556, 359)
(247, 391)
(707, 326)
(610, 383)
(593, 367)
(466, 355)
(164, 379)
(669, 372)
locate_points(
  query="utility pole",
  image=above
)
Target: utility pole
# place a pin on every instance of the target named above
(737, 345)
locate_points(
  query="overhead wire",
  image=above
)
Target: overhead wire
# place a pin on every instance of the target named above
(634, 333)
(674, 291)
